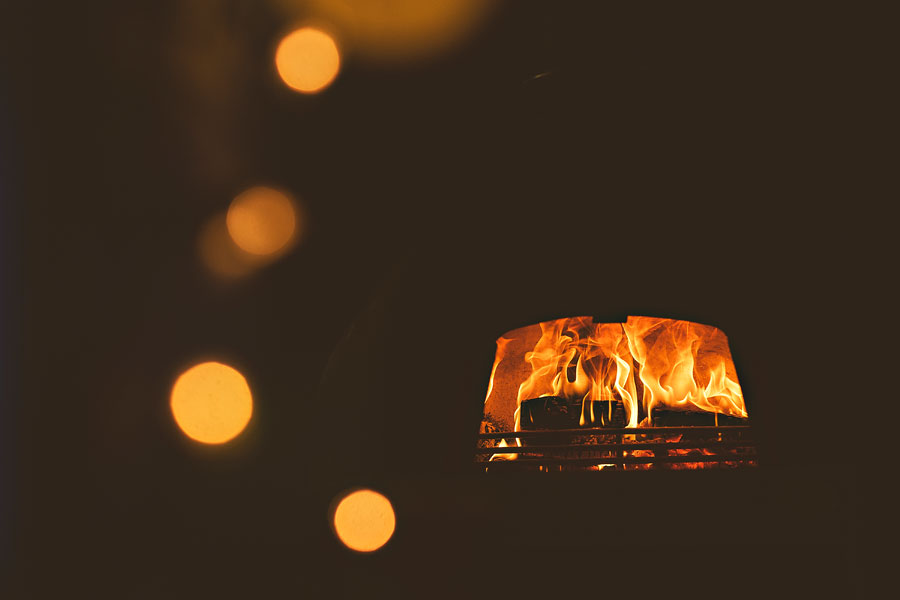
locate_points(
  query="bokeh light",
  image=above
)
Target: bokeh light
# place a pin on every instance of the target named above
(211, 402)
(221, 255)
(392, 31)
(364, 520)
(307, 60)
(262, 221)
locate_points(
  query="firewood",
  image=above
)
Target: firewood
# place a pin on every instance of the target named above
(554, 412)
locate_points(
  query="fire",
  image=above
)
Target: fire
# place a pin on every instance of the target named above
(501, 347)
(501, 456)
(685, 366)
(639, 366)
(577, 359)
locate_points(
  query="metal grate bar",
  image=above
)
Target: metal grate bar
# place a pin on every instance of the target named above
(635, 460)
(602, 447)
(615, 431)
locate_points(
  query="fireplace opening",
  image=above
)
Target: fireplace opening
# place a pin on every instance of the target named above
(649, 393)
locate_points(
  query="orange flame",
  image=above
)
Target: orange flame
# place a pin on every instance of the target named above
(577, 359)
(680, 366)
(502, 456)
(501, 347)
(684, 365)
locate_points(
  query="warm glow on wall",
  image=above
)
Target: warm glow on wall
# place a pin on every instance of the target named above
(211, 402)
(364, 520)
(262, 221)
(400, 30)
(307, 60)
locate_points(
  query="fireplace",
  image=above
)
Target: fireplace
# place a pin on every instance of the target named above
(649, 393)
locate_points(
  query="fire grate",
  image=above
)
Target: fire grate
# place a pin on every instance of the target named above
(598, 448)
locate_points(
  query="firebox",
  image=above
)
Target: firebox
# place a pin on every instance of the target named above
(649, 393)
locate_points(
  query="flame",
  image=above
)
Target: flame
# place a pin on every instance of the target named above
(502, 456)
(633, 369)
(501, 347)
(578, 359)
(684, 365)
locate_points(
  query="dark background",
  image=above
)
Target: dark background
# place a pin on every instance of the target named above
(677, 159)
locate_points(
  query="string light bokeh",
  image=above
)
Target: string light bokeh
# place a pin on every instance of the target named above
(307, 60)
(262, 221)
(364, 520)
(211, 402)
(260, 225)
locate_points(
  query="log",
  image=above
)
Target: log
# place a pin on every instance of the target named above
(664, 417)
(554, 412)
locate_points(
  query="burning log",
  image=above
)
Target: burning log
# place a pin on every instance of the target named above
(548, 412)
(564, 414)
(663, 417)
(555, 412)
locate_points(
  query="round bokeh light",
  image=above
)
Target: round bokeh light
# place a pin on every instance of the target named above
(307, 60)
(262, 221)
(364, 520)
(211, 403)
